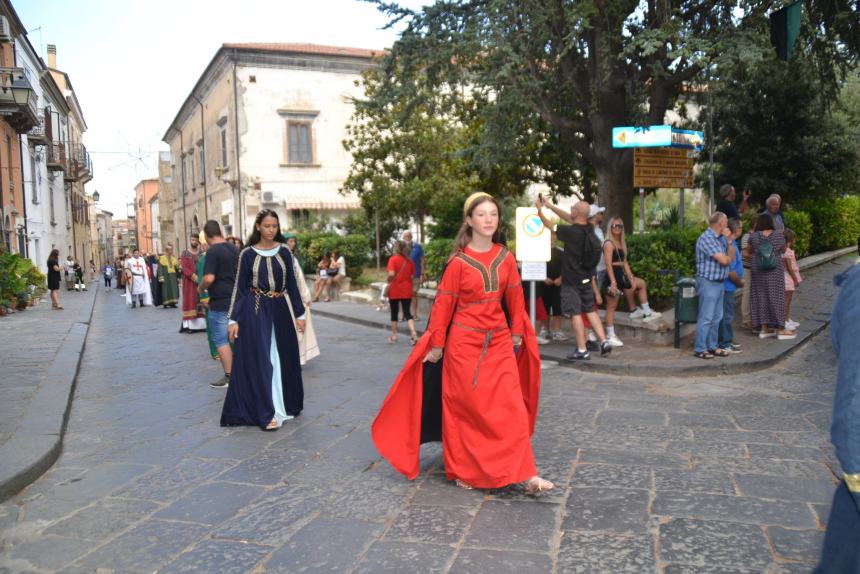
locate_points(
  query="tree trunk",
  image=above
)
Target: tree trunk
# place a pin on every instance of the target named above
(616, 190)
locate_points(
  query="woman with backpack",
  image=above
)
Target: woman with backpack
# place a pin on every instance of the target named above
(767, 288)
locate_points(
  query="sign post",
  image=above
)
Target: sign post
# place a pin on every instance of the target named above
(534, 249)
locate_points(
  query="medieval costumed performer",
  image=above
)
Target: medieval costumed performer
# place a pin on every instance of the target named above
(308, 345)
(193, 319)
(482, 402)
(152, 267)
(266, 380)
(168, 268)
(137, 281)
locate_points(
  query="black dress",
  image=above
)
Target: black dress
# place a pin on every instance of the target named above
(267, 348)
(53, 275)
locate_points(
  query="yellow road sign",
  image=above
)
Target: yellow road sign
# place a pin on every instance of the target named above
(662, 167)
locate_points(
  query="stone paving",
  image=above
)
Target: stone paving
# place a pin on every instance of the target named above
(37, 334)
(729, 475)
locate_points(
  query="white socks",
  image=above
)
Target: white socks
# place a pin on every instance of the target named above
(610, 331)
(646, 308)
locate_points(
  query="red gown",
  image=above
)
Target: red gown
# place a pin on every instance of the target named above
(489, 393)
(191, 309)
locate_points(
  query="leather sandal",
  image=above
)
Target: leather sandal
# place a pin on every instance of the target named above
(536, 485)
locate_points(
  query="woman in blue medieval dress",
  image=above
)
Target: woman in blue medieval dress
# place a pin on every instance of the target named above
(266, 383)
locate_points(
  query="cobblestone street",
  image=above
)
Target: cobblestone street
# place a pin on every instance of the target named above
(710, 475)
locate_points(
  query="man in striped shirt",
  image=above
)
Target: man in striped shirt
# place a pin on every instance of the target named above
(714, 253)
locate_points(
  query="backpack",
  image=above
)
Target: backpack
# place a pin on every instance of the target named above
(591, 251)
(765, 255)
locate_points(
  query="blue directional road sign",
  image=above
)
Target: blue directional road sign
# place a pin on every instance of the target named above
(656, 136)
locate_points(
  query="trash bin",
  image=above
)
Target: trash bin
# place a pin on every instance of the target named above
(686, 300)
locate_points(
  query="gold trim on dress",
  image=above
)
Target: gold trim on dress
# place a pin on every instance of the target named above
(490, 276)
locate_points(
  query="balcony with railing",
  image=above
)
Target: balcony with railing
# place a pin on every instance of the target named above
(18, 100)
(55, 156)
(80, 164)
(38, 134)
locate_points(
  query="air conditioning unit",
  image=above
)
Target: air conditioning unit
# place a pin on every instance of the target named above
(5, 32)
(268, 197)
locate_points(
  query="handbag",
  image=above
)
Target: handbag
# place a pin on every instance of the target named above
(624, 281)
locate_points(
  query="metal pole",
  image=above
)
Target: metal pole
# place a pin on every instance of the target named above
(710, 144)
(681, 210)
(641, 210)
(532, 297)
(376, 217)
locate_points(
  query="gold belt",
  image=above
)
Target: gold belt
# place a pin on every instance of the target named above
(270, 294)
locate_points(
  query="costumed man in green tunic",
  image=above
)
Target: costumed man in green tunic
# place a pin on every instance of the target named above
(204, 297)
(168, 267)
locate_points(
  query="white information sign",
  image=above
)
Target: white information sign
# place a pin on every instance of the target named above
(534, 271)
(533, 239)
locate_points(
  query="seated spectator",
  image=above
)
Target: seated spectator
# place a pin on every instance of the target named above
(767, 292)
(620, 280)
(322, 275)
(336, 272)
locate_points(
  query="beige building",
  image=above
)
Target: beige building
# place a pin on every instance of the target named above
(68, 154)
(263, 128)
(166, 225)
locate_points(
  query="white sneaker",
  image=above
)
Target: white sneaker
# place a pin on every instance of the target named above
(559, 336)
(791, 324)
(637, 314)
(591, 336)
(545, 334)
(542, 340)
(651, 316)
(614, 341)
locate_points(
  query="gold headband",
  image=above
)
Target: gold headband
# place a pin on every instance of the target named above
(472, 199)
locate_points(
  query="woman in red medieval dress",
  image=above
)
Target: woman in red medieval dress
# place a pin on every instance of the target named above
(490, 374)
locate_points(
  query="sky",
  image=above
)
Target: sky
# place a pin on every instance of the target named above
(132, 63)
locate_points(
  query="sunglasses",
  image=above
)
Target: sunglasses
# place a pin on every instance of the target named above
(618, 225)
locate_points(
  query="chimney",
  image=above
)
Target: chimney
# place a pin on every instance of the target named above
(52, 56)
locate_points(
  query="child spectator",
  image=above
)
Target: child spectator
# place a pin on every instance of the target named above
(746, 314)
(792, 277)
(732, 283)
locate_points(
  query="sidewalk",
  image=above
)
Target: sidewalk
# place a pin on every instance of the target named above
(37, 383)
(811, 308)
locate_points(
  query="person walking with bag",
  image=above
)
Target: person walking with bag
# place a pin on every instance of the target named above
(489, 381)
(401, 269)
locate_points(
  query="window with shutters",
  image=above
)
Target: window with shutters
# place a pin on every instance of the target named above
(299, 137)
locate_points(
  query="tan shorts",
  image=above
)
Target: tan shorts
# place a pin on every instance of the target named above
(416, 284)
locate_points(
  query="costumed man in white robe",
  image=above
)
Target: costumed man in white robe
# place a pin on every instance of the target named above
(137, 288)
(308, 346)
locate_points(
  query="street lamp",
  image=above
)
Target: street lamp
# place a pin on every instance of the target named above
(96, 196)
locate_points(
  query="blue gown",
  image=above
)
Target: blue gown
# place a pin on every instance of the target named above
(266, 382)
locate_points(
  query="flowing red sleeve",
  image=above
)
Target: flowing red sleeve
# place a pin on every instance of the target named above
(447, 296)
(514, 297)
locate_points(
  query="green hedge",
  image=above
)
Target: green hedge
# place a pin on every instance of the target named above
(436, 253)
(665, 249)
(835, 223)
(801, 223)
(354, 248)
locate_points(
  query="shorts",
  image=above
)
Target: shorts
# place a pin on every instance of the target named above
(218, 321)
(551, 295)
(576, 299)
(402, 304)
(416, 285)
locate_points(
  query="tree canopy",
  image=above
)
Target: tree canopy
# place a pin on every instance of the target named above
(550, 78)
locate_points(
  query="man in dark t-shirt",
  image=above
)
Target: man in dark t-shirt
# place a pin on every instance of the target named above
(726, 204)
(578, 270)
(219, 275)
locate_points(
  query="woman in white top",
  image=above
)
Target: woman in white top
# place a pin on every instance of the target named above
(338, 263)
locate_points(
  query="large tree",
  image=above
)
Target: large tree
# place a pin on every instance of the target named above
(566, 72)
